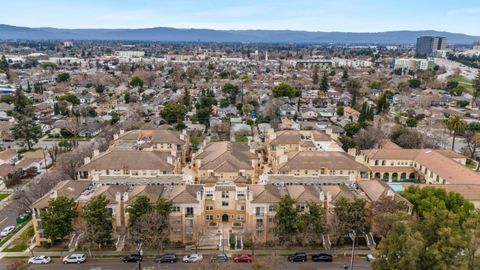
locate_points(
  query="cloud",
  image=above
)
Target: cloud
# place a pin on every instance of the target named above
(464, 11)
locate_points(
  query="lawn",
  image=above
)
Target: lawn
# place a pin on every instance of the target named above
(4, 195)
(18, 228)
(464, 82)
(21, 243)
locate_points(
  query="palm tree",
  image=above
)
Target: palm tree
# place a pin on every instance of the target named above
(455, 124)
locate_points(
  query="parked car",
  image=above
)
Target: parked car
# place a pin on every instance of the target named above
(297, 257)
(7, 230)
(75, 258)
(322, 257)
(132, 258)
(220, 257)
(39, 260)
(166, 258)
(243, 258)
(191, 258)
(370, 257)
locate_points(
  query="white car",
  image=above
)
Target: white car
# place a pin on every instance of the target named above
(191, 258)
(370, 257)
(7, 230)
(75, 258)
(39, 260)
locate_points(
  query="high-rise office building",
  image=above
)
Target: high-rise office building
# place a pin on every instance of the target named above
(428, 45)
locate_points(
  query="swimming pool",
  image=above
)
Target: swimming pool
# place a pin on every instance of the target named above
(396, 187)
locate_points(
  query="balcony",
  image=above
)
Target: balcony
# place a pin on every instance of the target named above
(189, 215)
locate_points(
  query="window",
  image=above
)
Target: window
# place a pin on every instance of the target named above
(240, 217)
(176, 209)
(209, 208)
(271, 208)
(225, 194)
(259, 211)
(189, 212)
(224, 203)
(209, 217)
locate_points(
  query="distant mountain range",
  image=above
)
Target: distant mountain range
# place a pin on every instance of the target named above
(9, 32)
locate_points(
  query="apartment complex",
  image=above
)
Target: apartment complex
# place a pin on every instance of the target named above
(394, 164)
(227, 191)
(286, 141)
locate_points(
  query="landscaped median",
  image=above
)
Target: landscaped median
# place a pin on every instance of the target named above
(19, 227)
(4, 195)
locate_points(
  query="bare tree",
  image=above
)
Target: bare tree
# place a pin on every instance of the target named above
(151, 230)
(369, 138)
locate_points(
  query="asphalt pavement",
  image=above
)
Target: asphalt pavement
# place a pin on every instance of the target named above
(279, 263)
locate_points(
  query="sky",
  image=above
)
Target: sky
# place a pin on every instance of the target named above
(460, 16)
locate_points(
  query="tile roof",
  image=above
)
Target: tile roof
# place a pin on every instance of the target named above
(315, 160)
(130, 159)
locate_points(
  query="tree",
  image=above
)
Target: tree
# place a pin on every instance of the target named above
(70, 98)
(347, 142)
(98, 220)
(285, 90)
(324, 85)
(455, 124)
(173, 112)
(472, 141)
(368, 138)
(340, 110)
(287, 218)
(400, 249)
(232, 91)
(115, 118)
(313, 222)
(350, 216)
(63, 77)
(352, 128)
(353, 86)
(26, 132)
(411, 122)
(100, 89)
(136, 82)
(315, 75)
(476, 88)
(57, 220)
(383, 104)
(345, 74)
(3, 64)
(22, 104)
(414, 83)
(126, 98)
(138, 208)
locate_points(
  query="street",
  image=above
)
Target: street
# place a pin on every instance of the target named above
(149, 264)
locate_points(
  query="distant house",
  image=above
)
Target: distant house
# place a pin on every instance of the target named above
(90, 130)
(287, 110)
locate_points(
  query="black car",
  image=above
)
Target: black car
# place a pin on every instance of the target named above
(322, 257)
(166, 258)
(132, 258)
(220, 257)
(297, 257)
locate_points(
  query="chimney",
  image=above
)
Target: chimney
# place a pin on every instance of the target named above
(54, 194)
(352, 152)
(199, 196)
(329, 197)
(174, 152)
(122, 131)
(86, 160)
(115, 137)
(118, 197)
(322, 196)
(96, 152)
(125, 197)
(170, 160)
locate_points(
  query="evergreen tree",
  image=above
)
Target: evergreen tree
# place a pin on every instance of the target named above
(288, 220)
(98, 220)
(324, 86)
(57, 220)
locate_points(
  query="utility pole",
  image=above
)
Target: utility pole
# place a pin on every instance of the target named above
(354, 238)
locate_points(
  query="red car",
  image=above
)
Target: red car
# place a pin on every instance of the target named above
(243, 258)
